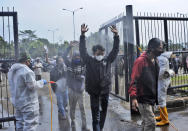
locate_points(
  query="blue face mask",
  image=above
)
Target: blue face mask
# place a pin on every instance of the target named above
(76, 61)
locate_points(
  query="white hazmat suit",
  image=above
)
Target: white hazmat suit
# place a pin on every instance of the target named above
(24, 97)
(164, 80)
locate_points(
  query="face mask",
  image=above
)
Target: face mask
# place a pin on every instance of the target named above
(157, 53)
(99, 58)
(29, 64)
(60, 65)
(76, 61)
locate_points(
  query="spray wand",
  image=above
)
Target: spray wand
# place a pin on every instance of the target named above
(50, 93)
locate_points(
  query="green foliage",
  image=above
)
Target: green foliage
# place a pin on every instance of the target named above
(35, 46)
(6, 49)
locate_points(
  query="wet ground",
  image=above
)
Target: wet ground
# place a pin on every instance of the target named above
(118, 118)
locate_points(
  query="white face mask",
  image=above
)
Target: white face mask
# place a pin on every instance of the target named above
(99, 58)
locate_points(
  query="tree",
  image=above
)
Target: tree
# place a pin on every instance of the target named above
(28, 35)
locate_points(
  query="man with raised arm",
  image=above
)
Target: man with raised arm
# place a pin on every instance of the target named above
(98, 76)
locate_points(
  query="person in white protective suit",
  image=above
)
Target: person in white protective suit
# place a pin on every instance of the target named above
(24, 97)
(163, 83)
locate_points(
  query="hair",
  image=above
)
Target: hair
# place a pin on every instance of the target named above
(23, 60)
(58, 58)
(153, 43)
(97, 47)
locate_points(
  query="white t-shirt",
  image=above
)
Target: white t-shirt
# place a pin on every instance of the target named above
(38, 68)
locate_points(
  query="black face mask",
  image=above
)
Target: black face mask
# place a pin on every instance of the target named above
(30, 66)
(157, 53)
(60, 65)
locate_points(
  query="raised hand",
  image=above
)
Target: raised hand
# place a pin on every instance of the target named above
(114, 30)
(84, 29)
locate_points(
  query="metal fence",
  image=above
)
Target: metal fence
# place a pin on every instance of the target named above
(8, 54)
(136, 31)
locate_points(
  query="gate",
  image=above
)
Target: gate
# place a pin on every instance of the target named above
(8, 54)
(135, 32)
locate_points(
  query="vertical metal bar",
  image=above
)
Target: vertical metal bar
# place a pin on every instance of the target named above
(9, 51)
(12, 105)
(151, 26)
(186, 31)
(116, 77)
(161, 28)
(145, 30)
(130, 36)
(183, 43)
(3, 33)
(125, 58)
(15, 26)
(6, 85)
(172, 34)
(130, 43)
(141, 28)
(157, 26)
(147, 25)
(137, 37)
(166, 33)
(180, 40)
(106, 40)
(176, 37)
(2, 78)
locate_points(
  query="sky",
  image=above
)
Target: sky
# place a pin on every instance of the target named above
(44, 15)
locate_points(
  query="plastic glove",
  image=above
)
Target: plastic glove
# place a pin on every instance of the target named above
(171, 72)
(45, 82)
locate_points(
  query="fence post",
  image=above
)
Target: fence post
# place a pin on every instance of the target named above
(106, 39)
(128, 40)
(129, 44)
(116, 77)
(166, 33)
(137, 37)
(15, 26)
(125, 59)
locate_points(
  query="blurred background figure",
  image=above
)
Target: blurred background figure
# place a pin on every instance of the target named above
(38, 68)
(184, 64)
(76, 84)
(58, 74)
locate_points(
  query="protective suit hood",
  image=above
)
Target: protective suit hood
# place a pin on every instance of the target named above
(23, 85)
(167, 54)
(16, 67)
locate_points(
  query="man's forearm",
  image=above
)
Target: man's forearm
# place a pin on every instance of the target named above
(82, 45)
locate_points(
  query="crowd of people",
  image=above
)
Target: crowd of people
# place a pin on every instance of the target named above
(73, 74)
(76, 72)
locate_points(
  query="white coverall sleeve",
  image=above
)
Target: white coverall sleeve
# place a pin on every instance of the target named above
(163, 67)
(31, 82)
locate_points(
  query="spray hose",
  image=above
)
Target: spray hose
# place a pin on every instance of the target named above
(50, 93)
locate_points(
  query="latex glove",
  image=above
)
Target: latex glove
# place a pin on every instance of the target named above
(45, 82)
(171, 72)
